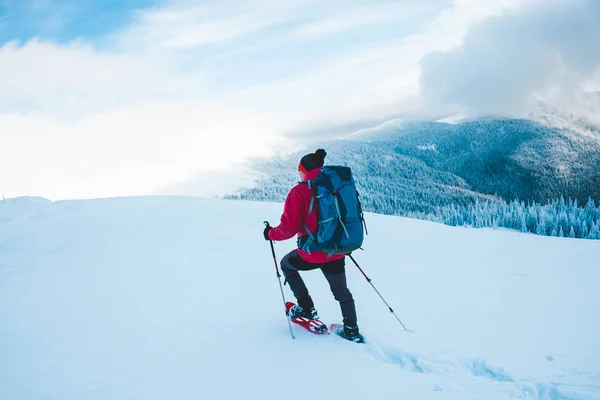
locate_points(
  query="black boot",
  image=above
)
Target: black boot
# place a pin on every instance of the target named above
(299, 312)
(350, 331)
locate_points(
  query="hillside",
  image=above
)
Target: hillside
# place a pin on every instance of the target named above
(416, 166)
(507, 158)
(535, 177)
(177, 298)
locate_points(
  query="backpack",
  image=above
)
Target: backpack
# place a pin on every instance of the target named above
(340, 219)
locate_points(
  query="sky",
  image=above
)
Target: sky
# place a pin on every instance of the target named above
(552, 52)
(111, 98)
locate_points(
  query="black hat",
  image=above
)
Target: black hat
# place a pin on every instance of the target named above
(312, 161)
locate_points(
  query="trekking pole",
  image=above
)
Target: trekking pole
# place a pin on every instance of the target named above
(280, 286)
(371, 283)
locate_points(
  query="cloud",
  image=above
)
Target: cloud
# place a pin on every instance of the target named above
(187, 88)
(131, 150)
(543, 49)
(184, 25)
(371, 16)
(74, 78)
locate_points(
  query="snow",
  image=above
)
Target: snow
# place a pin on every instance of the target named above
(23, 207)
(566, 122)
(378, 130)
(454, 118)
(430, 147)
(177, 298)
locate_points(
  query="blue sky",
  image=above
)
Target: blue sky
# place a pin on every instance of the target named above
(233, 45)
(106, 98)
(65, 20)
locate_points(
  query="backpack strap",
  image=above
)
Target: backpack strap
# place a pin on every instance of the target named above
(311, 239)
(312, 200)
(337, 206)
(362, 215)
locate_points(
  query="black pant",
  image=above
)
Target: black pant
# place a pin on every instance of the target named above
(335, 274)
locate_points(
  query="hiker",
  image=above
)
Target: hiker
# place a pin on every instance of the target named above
(298, 216)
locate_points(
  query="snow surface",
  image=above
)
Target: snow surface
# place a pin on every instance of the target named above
(454, 118)
(560, 121)
(177, 298)
(383, 128)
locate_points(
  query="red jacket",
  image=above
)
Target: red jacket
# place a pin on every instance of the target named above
(295, 216)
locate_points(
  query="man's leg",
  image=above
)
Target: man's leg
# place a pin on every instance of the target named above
(335, 273)
(291, 263)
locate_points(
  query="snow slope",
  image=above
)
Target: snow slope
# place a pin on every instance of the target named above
(454, 118)
(177, 298)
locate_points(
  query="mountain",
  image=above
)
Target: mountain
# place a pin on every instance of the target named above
(507, 158)
(416, 166)
(177, 298)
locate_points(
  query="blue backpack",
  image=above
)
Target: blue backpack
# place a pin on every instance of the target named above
(340, 219)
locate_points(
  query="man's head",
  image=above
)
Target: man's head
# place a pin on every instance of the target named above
(311, 161)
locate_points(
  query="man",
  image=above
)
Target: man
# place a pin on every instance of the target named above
(295, 217)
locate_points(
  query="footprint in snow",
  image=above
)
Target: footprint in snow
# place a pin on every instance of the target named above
(395, 356)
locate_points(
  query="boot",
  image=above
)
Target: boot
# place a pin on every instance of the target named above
(299, 312)
(350, 331)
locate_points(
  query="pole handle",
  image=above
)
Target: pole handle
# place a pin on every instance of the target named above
(272, 249)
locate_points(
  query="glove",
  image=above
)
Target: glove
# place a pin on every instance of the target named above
(266, 232)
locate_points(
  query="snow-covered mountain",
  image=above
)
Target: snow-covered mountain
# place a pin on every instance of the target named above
(552, 117)
(582, 117)
(177, 298)
(421, 165)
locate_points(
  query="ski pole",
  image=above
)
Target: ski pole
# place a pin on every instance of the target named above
(373, 286)
(280, 286)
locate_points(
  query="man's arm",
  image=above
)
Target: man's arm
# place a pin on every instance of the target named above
(291, 219)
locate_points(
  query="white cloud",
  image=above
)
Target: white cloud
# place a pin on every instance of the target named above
(128, 151)
(191, 88)
(368, 82)
(74, 78)
(545, 49)
(329, 25)
(186, 25)
(371, 15)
